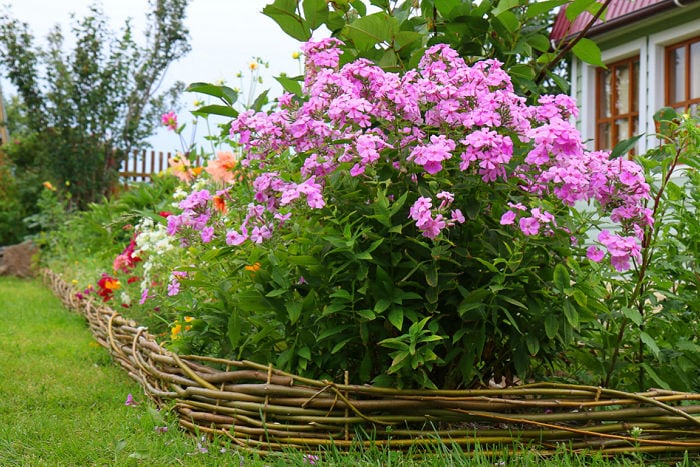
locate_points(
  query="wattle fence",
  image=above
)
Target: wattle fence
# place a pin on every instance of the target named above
(142, 165)
(262, 409)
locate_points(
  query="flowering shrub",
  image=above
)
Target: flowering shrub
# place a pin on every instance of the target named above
(414, 229)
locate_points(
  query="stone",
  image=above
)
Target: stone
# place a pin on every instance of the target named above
(16, 260)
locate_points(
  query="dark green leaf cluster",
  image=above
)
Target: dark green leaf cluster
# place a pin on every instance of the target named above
(86, 109)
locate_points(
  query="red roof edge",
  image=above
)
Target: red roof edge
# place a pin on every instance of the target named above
(620, 13)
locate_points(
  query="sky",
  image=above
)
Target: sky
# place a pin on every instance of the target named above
(225, 36)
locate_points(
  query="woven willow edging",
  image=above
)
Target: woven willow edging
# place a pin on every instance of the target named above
(263, 409)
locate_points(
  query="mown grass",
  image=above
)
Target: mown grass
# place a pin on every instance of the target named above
(62, 402)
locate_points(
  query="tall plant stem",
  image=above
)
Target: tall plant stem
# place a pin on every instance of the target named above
(648, 242)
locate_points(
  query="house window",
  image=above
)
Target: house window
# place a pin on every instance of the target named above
(683, 75)
(617, 102)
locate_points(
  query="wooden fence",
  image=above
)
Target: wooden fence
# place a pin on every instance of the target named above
(142, 165)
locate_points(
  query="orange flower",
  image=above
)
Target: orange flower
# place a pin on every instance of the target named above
(112, 284)
(49, 186)
(222, 168)
(253, 267)
(220, 204)
(180, 167)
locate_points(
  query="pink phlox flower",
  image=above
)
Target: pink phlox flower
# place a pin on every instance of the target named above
(621, 249)
(130, 402)
(236, 238)
(446, 197)
(529, 225)
(595, 254)
(431, 156)
(508, 218)
(457, 216)
(207, 234)
(173, 287)
(260, 233)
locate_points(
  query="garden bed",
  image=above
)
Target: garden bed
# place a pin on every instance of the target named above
(263, 409)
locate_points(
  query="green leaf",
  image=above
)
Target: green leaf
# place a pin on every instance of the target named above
(283, 12)
(215, 110)
(381, 305)
(551, 326)
(652, 374)
(304, 352)
(650, 343)
(509, 21)
(337, 347)
(577, 7)
(367, 314)
(624, 146)
(294, 311)
(396, 318)
(444, 7)
(588, 51)
(315, 12)
(224, 93)
(632, 314)
(538, 8)
(571, 314)
(260, 101)
(539, 42)
(368, 31)
(533, 344)
(431, 275)
(234, 329)
(275, 293)
(291, 85)
(522, 71)
(562, 280)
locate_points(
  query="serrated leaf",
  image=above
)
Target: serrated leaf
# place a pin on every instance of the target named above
(633, 315)
(650, 343)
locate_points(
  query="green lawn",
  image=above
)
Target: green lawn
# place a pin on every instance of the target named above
(62, 402)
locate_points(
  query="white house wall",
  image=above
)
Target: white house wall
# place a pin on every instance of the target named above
(651, 51)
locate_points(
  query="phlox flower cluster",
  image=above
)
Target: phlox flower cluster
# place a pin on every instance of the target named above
(441, 122)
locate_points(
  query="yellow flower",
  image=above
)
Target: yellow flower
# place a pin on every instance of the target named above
(253, 66)
(74, 281)
(189, 319)
(296, 55)
(175, 331)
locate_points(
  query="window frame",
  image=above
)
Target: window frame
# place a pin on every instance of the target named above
(634, 103)
(668, 52)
